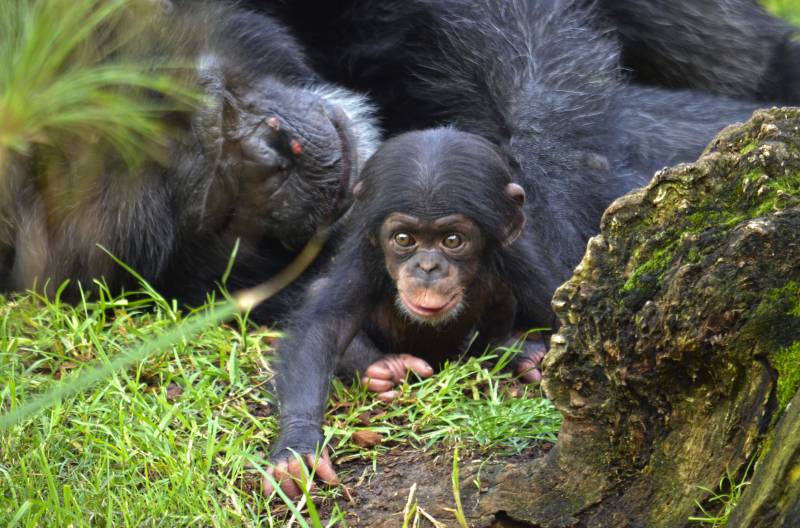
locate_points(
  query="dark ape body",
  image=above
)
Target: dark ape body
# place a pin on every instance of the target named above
(726, 47)
(269, 156)
(546, 91)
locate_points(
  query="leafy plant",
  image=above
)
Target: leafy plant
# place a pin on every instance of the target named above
(69, 75)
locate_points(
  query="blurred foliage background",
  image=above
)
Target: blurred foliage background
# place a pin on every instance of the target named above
(788, 9)
(69, 72)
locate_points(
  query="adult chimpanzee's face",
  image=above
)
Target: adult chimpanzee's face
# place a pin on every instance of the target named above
(284, 159)
(433, 263)
(293, 139)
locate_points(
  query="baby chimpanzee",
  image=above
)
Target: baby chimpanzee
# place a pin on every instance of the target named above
(436, 250)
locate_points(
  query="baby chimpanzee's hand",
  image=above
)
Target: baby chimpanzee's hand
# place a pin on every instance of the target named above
(391, 370)
(299, 444)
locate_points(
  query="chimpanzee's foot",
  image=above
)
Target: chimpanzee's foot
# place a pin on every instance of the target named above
(526, 363)
(391, 370)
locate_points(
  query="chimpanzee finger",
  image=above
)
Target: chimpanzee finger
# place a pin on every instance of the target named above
(323, 468)
(377, 385)
(388, 396)
(266, 485)
(381, 369)
(293, 478)
(396, 367)
(535, 353)
(418, 365)
(528, 373)
(278, 473)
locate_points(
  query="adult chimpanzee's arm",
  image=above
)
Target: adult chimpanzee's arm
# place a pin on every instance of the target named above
(729, 47)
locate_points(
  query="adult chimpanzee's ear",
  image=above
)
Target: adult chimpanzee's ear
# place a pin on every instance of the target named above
(517, 223)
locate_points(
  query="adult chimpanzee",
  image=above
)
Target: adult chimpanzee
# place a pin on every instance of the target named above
(440, 244)
(726, 47)
(270, 155)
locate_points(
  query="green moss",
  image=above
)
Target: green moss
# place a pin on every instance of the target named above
(787, 362)
(774, 323)
(694, 256)
(717, 219)
(654, 266)
(729, 207)
(710, 213)
(698, 218)
(750, 179)
(774, 328)
(750, 147)
(744, 201)
(781, 193)
(789, 293)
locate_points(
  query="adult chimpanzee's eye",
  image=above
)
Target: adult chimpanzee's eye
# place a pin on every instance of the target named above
(453, 241)
(403, 239)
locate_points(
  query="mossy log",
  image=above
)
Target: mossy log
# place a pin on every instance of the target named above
(673, 329)
(678, 351)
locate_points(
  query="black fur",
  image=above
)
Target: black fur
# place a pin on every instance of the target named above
(728, 47)
(229, 173)
(725, 47)
(546, 88)
(344, 323)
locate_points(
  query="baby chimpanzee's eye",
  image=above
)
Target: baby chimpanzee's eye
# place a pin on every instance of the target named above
(403, 239)
(453, 241)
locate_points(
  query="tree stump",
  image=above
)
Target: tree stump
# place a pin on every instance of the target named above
(672, 327)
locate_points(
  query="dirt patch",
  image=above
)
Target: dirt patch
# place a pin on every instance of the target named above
(377, 497)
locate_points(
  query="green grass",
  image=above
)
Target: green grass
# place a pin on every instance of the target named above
(178, 438)
(145, 429)
(721, 502)
(129, 450)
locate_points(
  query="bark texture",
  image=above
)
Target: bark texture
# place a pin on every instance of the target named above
(678, 351)
(663, 368)
(773, 498)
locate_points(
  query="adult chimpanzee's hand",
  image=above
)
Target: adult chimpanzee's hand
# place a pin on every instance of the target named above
(299, 444)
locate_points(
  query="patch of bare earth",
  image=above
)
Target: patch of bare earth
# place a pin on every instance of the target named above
(379, 497)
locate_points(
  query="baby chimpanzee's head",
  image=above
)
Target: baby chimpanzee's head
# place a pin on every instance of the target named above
(437, 203)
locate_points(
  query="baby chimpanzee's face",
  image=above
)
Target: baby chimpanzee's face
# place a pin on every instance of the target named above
(433, 263)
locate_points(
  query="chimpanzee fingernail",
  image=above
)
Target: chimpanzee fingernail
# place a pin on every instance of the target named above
(272, 122)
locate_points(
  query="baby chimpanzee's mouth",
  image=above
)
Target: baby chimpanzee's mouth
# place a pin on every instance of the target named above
(432, 309)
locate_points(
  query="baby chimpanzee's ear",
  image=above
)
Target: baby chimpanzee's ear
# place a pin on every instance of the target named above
(516, 224)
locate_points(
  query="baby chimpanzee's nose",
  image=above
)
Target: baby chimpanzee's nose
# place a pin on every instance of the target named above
(430, 266)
